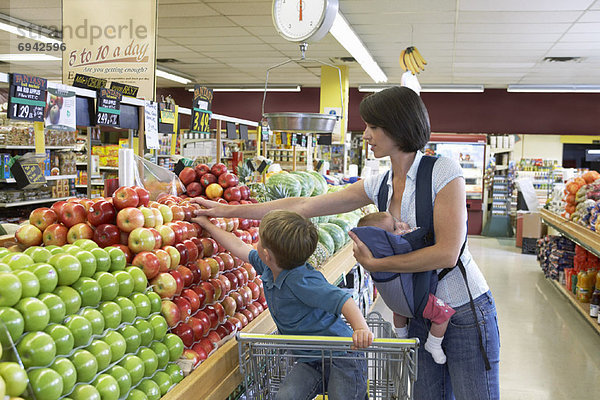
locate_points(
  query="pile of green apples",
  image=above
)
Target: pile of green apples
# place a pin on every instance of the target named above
(77, 322)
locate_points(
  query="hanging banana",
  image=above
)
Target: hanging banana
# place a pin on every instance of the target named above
(411, 60)
(402, 64)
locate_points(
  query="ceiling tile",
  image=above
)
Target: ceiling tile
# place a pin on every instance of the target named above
(253, 20)
(195, 9)
(241, 7)
(207, 22)
(519, 5)
(590, 16)
(494, 38)
(513, 28)
(524, 17)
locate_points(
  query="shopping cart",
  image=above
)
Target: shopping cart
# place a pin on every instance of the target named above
(392, 363)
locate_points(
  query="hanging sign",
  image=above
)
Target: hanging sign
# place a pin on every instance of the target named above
(151, 124)
(60, 111)
(201, 105)
(125, 90)
(27, 173)
(88, 82)
(27, 97)
(108, 108)
(167, 117)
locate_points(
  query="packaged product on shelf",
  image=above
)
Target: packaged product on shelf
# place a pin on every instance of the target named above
(5, 159)
(555, 253)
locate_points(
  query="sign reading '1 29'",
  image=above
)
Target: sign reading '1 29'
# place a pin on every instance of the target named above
(108, 107)
(27, 98)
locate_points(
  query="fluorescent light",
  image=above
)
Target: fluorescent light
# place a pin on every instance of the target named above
(344, 34)
(28, 57)
(593, 151)
(27, 32)
(553, 88)
(172, 77)
(293, 88)
(429, 88)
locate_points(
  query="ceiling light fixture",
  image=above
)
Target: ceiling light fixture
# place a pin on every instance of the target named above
(27, 57)
(172, 76)
(345, 35)
(28, 30)
(290, 88)
(429, 88)
(517, 88)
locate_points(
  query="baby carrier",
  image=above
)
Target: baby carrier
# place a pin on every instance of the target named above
(411, 300)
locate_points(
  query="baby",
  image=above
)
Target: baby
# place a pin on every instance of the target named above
(436, 310)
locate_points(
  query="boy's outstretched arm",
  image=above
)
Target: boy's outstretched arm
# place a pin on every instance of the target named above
(226, 239)
(362, 337)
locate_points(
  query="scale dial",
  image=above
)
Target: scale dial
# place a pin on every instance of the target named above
(304, 20)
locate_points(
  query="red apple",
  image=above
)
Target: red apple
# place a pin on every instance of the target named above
(29, 235)
(242, 318)
(259, 306)
(244, 224)
(192, 355)
(143, 196)
(242, 276)
(208, 179)
(199, 246)
(101, 212)
(209, 290)
(193, 298)
(125, 249)
(248, 314)
(79, 231)
(125, 197)
(239, 300)
(210, 246)
(251, 271)
(235, 283)
(148, 262)
(220, 263)
(218, 169)
(188, 213)
(178, 279)
(201, 169)
(186, 275)
(185, 308)
(183, 253)
(246, 296)
(226, 283)
(157, 238)
(228, 180)
(213, 317)
(205, 345)
(124, 238)
(221, 331)
(57, 207)
(167, 235)
(236, 322)
(255, 290)
(72, 214)
(219, 290)
(238, 261)
(192, 250)
(214, 267)
(187, 175)
(252, 308)
(164, 284)
(228, 261)
(244, 192)
(141, 239)
(220, 200)
(230, 305)
(130, 218)
(178, 214)
(253, 231)
(42, 218)
(197, 328)
(185, 333)
(194, 189)
(204, 269)
(177, 231)
(164, 260)
(201, 294)
(174, 254)
(170, 312)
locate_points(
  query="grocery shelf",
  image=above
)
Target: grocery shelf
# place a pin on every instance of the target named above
(17, 147)
(577, 233)
(30, 202)
(163, 156)
(110, 168)
(582, 308)
(81, 164)
(48, 178)
(60, 147)
(498, 150)
(222, 368)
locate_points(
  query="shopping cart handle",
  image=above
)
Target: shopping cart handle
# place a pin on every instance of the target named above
(320, 339)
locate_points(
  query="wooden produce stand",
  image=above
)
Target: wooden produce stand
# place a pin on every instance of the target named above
(218, 376)
(586, 239)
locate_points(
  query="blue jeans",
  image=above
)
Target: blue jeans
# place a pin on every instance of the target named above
(464, 375)
(345, 379)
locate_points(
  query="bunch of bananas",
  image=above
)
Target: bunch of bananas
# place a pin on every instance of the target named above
(411, 60)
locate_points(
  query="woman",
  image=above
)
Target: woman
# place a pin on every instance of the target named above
(397, 125)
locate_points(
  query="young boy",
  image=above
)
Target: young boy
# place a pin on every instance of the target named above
(436, 310)
(302, 302)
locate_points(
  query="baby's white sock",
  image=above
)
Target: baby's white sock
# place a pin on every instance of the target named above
(402, 333)
(434, 346)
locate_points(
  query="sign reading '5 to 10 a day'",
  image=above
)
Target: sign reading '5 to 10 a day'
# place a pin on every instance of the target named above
(201, 113)
(27, 97)
(108, 107)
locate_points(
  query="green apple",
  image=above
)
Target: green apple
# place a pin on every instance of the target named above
(85, 244)
(88, 262)
(118, 260)
(70, 297)
(85, 392)
(17, 261)
(10, 289)
(67, 267)
(2, 388)
(81, 329)
(111, 313)
(137, 394)
(101, 350)
(159, 326)
(71, 248)
(89, 290)
(108, 283)
(4, 267)
(56, 307)
(15, 378)
(55, 249)
(102, 259)
(67, 371)
(85, 364)
(108, 387)
(175, 373)
(150, 388)
(123, 378)
(150, 361)
(142, 304)
(175, 346)
(117, 345)
(4, 251)
(125, 282)
(155, 302)
(14, 323)
(146, 332)
(96, 319)
(30, 285)
(38, 254)
(35, 313)
(63, 338)
(128, 311)
(132, 338)
(162, 354)
(135, 366)
(140, 282)
(163, 380)
(46, 384)
(36, 349)
(46, 275)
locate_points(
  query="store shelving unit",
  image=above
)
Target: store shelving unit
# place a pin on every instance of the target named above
(499, 199)
(222, 369)
(587, 239)
(31, 202)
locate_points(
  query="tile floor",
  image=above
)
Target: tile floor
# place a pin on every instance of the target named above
(547, 350)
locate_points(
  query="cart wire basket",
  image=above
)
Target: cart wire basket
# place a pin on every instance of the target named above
(391, 363)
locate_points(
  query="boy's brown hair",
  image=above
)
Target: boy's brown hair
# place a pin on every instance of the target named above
(375, 218)
(289, 236)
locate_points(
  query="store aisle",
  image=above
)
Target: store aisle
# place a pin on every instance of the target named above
(547, 350)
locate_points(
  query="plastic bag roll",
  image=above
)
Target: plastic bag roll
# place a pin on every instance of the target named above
(126, 167)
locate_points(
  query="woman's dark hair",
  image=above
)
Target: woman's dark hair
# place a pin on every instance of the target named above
(401, 112)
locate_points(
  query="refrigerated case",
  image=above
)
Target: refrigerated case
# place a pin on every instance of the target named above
(470, 152)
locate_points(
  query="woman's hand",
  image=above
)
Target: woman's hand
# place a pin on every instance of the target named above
(202, 221)
(210, 208)
(362, 254)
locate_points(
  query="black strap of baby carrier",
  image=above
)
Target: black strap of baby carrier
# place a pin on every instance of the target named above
(382, 196)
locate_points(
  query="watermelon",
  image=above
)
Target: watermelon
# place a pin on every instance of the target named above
(319, 256)
(326, 240)
(344, 224)
(321, 219)
(336, 233)
(306, 181)
(288, 182)
(320, 183)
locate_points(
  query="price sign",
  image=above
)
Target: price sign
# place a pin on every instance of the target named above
(201, 121)
(262, 167)
(108, 107)
(27, 99)
(201, 113)
(27, 174)
(167, 116)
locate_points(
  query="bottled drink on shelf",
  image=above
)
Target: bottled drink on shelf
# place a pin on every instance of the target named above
(595, 304)
(584, 287)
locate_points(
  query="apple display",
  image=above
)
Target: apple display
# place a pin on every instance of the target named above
(101, 213)
(42, 218)
(72, 214)
(129, 219)
(125, 197)
(148, 262)
(55, 234)
(29, 235)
